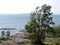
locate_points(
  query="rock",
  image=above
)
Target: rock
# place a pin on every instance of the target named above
(18, 38)
(8, 29)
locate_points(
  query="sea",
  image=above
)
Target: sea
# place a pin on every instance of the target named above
(19, 21)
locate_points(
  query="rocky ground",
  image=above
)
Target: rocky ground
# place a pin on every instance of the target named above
(16, 39)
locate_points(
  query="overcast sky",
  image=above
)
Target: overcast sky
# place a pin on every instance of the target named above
(26, 6)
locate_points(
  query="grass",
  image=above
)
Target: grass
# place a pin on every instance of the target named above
(17, 44)
(6, 44)
(55, 41)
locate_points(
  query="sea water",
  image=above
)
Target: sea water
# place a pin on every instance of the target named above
(18, 21)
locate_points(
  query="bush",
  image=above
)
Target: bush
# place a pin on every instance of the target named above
(57, 30)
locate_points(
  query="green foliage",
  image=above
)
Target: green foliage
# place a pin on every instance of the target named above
(7, 34)
(3, 34)
(31, 37)
(40, 22)
(31, 27)
(5, 37)
(57, 30)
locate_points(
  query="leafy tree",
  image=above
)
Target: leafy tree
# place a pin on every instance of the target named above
(40, 23)
(8, 34)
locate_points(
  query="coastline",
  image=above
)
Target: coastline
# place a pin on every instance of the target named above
(20, 37)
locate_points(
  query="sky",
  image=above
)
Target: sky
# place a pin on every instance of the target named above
(26, 6)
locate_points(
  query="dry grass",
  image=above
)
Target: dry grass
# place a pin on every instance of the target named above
(16, 44)
(28, 44)
(6, 44)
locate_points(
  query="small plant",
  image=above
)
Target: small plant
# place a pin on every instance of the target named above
(3, 35)
(7, 34)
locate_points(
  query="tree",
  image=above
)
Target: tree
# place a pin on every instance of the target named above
(3, 34)
(40, 23)
(8, 34)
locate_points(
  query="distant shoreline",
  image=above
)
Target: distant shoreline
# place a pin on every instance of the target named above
(8, 29)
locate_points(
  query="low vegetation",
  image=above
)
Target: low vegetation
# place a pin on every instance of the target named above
(5, 36)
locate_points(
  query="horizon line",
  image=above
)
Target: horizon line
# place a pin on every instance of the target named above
(20, 13)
